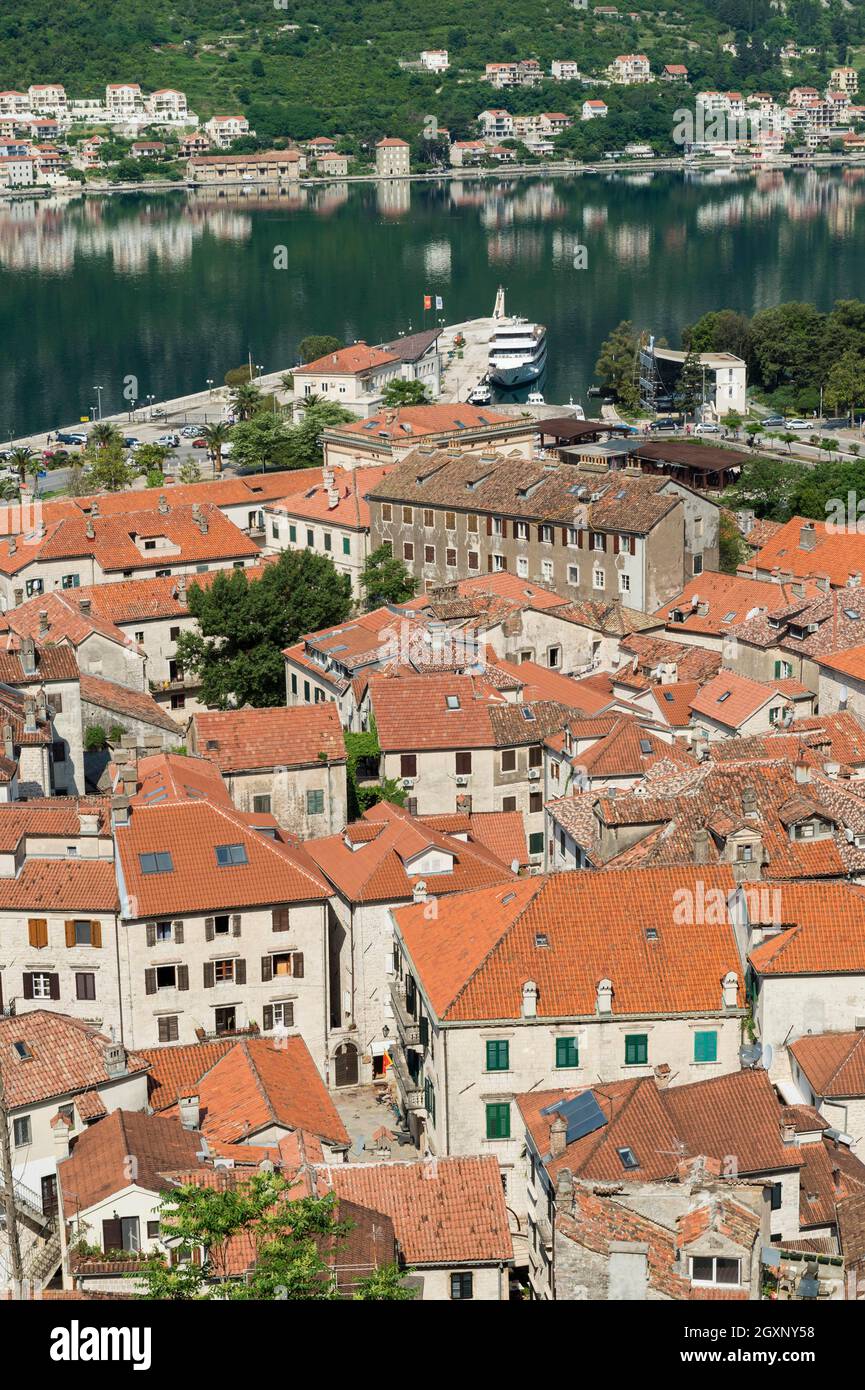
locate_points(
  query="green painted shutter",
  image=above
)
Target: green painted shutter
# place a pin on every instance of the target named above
(706, 1047)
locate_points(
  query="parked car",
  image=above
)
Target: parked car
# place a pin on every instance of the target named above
(56, 455)
(773, 422)
(707, 428)
(169, 441)
(68, 437)
(199, 443)
(130, 441)
(800, 424)
(190, 431)
(838, 422)
(665, 423)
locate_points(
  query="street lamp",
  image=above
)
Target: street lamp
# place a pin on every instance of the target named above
(209, 384)
(150, 400)
(98, 390)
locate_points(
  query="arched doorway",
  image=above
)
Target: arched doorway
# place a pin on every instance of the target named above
(345, 1060)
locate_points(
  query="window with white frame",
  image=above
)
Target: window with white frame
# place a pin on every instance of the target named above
(523, 566)
(624, 583)
(573, 574)
(547, 571)
(598, 579)
(716, 1270)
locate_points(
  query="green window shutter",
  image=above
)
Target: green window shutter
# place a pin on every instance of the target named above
(567, 1052)
(706, 1047)
(536, 842)
(499, 1120)
(636, 1049)
(498, 1056)
(778, 666)
(346, 545)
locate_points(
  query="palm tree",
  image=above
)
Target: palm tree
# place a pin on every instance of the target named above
(216, 435)
(103, 433)
(245, 400)
(789, 438)
(314, 398)
(287, 381)
(19, 459)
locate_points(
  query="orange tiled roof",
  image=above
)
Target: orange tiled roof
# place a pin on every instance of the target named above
(49, 817)
(342, 504)
(348, 361)
(836, 553)
(834, 1063)
(503, 832)
(444, 1211)
(99, 1164)
(177, 1070)
(58, 885)
(119, 699)
(68, 1056)
(413, 421)
(828, 937)
(299, 736)
(731, 699)
(190, 831)
(566, 932)
(380, 870)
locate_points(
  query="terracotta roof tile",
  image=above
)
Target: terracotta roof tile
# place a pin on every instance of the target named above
(68, 1056)
(354, 360)
(134, 704)
(837, 552)
(834, 1063)
(99, 1165)
(300, 736)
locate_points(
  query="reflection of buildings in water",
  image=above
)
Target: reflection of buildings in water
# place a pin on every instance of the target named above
(564, 247)
(638, 180)
(393, 196)
(496, 213)
(257, 197)
(595, 217)
(326, 200)
(630, 244)
(675, 237)
(521, 244)
(466, 195)
(539, 203)
(728, 213)
(437, 259)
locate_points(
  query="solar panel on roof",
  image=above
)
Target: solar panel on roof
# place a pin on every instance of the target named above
(582, 1114)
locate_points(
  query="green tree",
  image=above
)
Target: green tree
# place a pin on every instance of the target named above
(19, 459)
(317, 345)
(616, 364)
(239, 376)
(103, 433)
(150, 458)
(245, 401)
(109, 470)
(385, 579)
(401, 392)
(768, 486)
(845, 385)
(690, 385)
(732, 550)
(215, 436)
(386, 1283)
(305, 448)
(189, 471)
(263, 440)
(244, 626)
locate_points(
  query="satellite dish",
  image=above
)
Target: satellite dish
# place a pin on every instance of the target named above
(515, 866)
(767, 1055)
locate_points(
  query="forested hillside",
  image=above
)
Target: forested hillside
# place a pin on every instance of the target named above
(300, 68)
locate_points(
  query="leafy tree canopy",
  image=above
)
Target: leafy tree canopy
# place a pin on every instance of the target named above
(385, 579)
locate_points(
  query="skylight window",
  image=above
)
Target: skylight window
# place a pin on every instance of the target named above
(628, 1157)
(852, 615)
(651, 933)
(158, 863)
(528, 714)
(645, 745)
(726, 695)
(452, 701)
(231, 854)
(668, 696)
(541, 939)
(728, 617)
(22, 1051)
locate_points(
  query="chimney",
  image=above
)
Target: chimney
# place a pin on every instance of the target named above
(749, 801)
(605, 996)
(854, 579)
(701, 846)
(43, 623)
(61, 1129)
(202, 525)
(196, 511)
(745, 519)
(558, 1136)
(120, 811)
(115, 1060)
(13, 545)
(332, 499)
(822, 582)
(662, 1075)
(832, 769)
(181, 590)
(88, 822)
(730, 988)
(163, 507)
(8, 745)
(802, 773)
(530, 999)
(565, 1188)
(30, 716)
(27, 655)
(84, 605)
(799, 589)
(190, 1111)
(89, 531)
(807, 536)
(18, 595)
(418, 891)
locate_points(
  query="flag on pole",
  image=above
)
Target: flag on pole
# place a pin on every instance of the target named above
(440, 304)
(427, 301)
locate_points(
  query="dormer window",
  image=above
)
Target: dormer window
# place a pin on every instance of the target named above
(230, 854)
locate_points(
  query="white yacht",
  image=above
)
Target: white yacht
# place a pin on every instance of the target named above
(518, 349)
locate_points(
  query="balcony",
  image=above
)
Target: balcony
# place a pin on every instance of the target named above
(409, 1027)
(411, 1091)
(177, 683)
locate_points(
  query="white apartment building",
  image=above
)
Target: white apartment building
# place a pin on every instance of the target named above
(435, 59)
(224, 130)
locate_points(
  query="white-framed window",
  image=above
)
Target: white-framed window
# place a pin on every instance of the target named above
(547, 571)
(545, 535)
(624, 583)
(598, 579)
(523, 566)
(21, 1131)
(499, 562)
(521, 530)
(597, 541)
(41, 986)
(716, 1270)
(573, 536)
(573, 574)
(497, 526)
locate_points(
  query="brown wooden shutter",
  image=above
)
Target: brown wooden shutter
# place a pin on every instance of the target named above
(579, 539)
(297, 965)
(209, 980)
(603, 543)
(267, 1017)
(95, 933)
(266, 968)
(235, 924)
(37, 931)
(489, 526)
(209, 928)
(183, 977)
(150, 929)
(288, 1015)
(112, 1235)
(28, 986)
(632, 544)
(55, 986)
(280, 919)
(240, 972)
(178, 933)
(70, 933)
(150, 982)
(564, 535)
(616, 544)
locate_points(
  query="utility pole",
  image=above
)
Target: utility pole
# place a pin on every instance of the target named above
(9, 1192)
